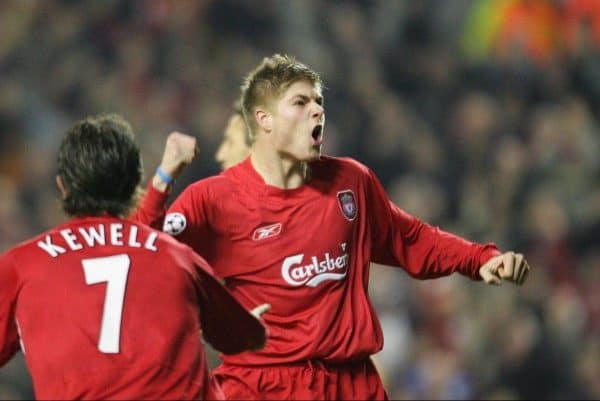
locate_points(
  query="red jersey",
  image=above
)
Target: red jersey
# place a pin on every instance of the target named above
(151, 210)
(307, 252)
(106, 308)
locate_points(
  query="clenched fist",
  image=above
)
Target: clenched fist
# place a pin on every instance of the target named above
(508, 266)
(180, 150)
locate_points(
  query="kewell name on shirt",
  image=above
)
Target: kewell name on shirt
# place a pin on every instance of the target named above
(111, 234)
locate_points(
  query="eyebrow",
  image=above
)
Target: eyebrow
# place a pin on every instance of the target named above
(318, 99)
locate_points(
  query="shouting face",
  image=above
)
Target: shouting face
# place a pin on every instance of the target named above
(298, 122)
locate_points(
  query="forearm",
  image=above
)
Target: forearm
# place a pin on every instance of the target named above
(152, 208)
(432, 252)
(428, 252)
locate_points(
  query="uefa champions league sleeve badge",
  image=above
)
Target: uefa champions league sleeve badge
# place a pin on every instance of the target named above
(174, 223)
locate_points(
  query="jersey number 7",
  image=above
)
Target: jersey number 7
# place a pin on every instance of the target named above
(113, 270)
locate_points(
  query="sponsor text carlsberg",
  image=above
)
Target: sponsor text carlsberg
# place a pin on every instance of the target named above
(296, 272)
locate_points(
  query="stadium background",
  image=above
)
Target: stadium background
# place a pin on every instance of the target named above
(478, 116)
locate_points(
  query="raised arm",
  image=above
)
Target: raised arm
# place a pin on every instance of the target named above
(180, 151)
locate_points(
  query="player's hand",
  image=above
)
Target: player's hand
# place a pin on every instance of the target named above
(508, 266)
(180, 151)
(260, 310)
(257, 313)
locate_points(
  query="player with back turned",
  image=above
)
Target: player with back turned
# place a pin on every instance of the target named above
(298, 230)
(104, 307)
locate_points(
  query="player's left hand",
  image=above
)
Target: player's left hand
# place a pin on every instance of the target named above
(508, 266)
(257, 312)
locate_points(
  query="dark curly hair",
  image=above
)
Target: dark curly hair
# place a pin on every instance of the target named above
(100, 166)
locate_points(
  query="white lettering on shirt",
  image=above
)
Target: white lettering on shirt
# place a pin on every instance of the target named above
(91, 236)
(52, 249)
(67, 239)
(151, 242)
(116, 234)
(71, 239)
(295, 273)
(133, 237)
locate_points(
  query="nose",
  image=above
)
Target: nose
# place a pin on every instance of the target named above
(318, 111)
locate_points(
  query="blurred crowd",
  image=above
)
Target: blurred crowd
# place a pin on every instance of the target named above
(479, 116)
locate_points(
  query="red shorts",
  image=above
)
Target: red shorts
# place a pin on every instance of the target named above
(312, 380)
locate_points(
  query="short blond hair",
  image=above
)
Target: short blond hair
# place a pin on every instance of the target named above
(267, 82)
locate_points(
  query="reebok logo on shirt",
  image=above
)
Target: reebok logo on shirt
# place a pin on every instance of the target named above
(296, 273)
(266, 232)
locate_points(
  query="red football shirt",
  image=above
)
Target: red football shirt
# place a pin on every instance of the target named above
(307, 252)
(107, 308)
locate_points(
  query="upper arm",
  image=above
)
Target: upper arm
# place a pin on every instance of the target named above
(151, 210)
(424, 251)
(389, 226)
(187, 220)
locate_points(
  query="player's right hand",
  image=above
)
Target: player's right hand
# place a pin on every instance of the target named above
(180, 151)
(257, 313)
(260, 310)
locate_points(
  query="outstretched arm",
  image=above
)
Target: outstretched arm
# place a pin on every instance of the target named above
(422, 250)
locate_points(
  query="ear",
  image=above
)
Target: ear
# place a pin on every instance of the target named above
(61, 185)
(264, 119)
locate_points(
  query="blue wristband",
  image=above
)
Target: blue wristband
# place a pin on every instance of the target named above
(164, 176)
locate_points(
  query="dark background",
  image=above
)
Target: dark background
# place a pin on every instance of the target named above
(478, 116)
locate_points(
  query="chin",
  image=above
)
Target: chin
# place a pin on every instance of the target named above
(315, 152)
(313, 156)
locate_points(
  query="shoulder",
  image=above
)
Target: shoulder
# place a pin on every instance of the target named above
(203, 193)
(168, 245)
(169, 242)
(26, 244)
(344, 165)
(24, 248)
(212, 184)
(180, 253)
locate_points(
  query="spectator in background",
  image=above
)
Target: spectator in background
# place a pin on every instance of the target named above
(235, 145)
(61, 60)
(137, 336)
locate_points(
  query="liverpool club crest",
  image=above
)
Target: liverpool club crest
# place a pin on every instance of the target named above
(347, 204)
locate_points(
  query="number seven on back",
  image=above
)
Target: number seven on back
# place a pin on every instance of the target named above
(113, 270)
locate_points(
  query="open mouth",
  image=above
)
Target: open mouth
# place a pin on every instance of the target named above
(317, 134)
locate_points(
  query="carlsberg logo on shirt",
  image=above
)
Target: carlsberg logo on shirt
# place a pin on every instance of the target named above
(297, 272)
